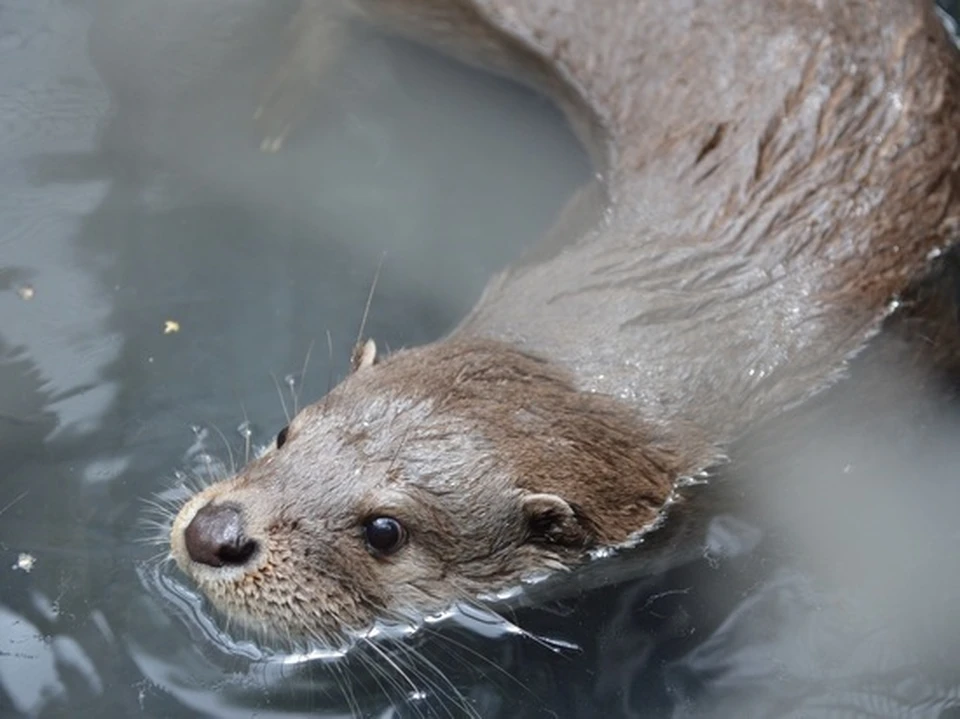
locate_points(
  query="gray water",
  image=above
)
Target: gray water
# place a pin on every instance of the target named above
(133, 194)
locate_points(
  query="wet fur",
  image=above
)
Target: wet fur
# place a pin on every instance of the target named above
(775, 173)
(453, 441)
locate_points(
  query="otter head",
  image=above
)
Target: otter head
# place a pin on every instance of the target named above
(440, 473)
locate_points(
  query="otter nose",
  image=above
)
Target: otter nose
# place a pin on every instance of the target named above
(215, 537)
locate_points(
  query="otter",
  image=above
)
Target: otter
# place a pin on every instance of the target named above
(773, 176)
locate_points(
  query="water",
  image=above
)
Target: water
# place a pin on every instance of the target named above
(133, 195)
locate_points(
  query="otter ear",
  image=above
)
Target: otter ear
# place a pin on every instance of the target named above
(364, 355)
(551, 519)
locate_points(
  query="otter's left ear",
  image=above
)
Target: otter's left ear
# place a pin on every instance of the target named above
(364, 355)
(551, 519)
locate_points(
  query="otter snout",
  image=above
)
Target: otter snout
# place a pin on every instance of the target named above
(215, 537)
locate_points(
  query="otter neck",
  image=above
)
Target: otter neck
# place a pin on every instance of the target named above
(614, 467)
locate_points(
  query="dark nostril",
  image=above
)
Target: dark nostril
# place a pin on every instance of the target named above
(215, 537)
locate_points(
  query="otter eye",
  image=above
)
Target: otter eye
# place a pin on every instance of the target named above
(282, 437)
(384, 535)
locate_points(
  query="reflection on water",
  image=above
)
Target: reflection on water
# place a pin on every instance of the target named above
(133, 193)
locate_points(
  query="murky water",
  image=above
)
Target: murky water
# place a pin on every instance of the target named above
(156, 269)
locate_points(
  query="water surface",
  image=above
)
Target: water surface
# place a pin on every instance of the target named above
(134, 201)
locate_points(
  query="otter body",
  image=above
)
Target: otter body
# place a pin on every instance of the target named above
(773, 175)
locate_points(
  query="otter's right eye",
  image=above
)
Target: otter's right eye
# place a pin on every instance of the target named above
(282, 436)
(385, 535)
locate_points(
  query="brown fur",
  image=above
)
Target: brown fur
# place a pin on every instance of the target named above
(775, 173)
(487, 455)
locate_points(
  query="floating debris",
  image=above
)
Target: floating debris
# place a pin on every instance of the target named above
(25, 562)
(26, 292)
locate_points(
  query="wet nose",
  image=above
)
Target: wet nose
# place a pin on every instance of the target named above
(215, 537)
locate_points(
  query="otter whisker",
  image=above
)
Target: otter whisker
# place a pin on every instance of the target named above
(414, 689)
(156, 521)
(366, 309)
(386, 657)
(444, 639)
(246, 433)
(377, 672)
(158, 527)
(557, 647)
(345, 684)
(157, 558)
(161, 558)
(160, 505)
(444, 686)
(193, 482)
(451, 646)
(329, 367)
(157, 536)
(303, 379)
(283, 402)
(445, 689)
(210, 465)
(154, 542)
(233, 464)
